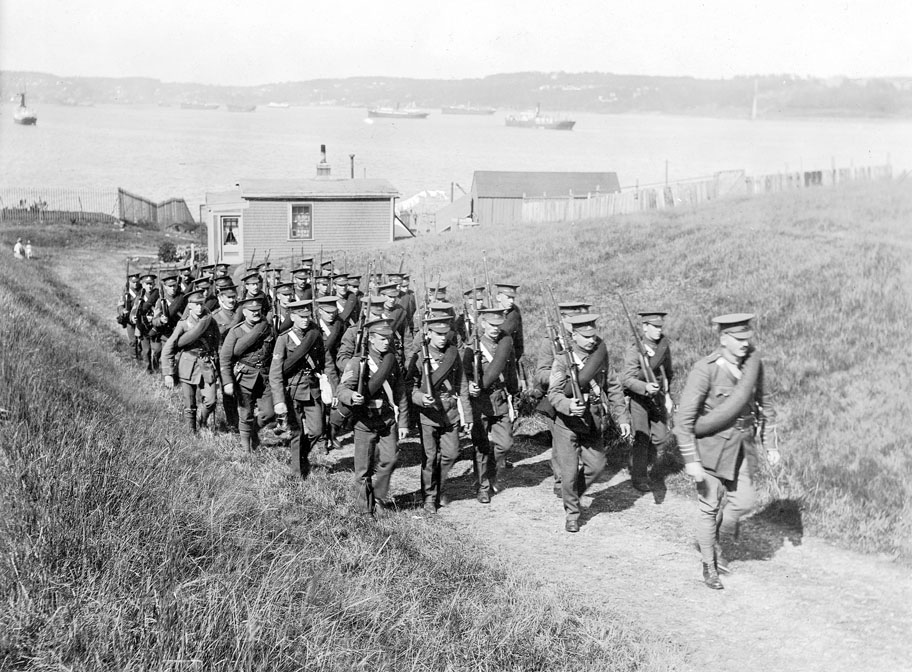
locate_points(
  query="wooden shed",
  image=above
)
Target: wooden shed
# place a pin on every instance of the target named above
(497, 196)
(288, 216)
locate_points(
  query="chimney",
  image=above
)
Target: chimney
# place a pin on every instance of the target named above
(323, 168)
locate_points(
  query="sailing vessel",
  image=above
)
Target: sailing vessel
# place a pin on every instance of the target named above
(23, 115)
(537, 120)
(396, 113)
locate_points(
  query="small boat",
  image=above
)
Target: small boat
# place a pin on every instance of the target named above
(241, 108)
(199, 106)
(279, 105)
(467, 109)
(396, 113)
(537, 120)
(23, 115)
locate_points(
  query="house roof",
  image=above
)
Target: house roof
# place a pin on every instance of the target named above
(515, 184)
(333, 188)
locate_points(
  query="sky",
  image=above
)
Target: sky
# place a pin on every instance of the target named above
(245, 43)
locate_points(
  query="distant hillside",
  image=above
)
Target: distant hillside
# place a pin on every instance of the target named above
(777, 95)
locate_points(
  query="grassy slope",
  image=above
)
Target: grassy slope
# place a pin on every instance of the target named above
(828, 272)
(124, 544)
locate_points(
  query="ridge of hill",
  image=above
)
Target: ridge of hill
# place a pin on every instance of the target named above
(777, 95)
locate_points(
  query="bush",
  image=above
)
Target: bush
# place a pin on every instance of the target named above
(167, 252)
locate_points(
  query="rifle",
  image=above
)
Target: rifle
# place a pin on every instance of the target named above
(401, 261)
(253, 254)
(426, 362)
(644, 358)
(477, 367)
(566, 350)
(490, 297)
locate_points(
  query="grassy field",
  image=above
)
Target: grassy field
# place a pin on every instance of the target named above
(828, 273)
(126, 545)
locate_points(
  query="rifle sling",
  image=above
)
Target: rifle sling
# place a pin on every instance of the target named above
(498, 365)
(191, 336)
(251, 339)
(295, 359)
(446, 366)
(384, 368)
(725, 414)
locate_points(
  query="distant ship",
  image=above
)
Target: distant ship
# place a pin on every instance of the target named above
(467, 109)
(199, 106)
(536, 120)
(23, 115)
(241, 108)
(279, 105)
(396, 113)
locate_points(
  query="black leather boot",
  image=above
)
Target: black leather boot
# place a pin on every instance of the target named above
(711, 577)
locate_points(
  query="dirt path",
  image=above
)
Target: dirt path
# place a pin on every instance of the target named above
(793, 602)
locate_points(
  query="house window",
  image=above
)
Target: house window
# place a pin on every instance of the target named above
(229, 230)
(300, 221)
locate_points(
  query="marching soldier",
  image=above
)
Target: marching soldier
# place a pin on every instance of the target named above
(581, 416)
(131, 294)
(167, 311)
(491, 370)
(189, 356)
(252, 285)
(348, 343)
(224, 317)
(408, 301)
(440, 392)
(185, 279)
(301, 279)
(220, 270)
(140, 316)
(715, 425)
(297, 362)
(373, 390)
(245, 358)
(331, 329)
(505, 298)
(650, 403)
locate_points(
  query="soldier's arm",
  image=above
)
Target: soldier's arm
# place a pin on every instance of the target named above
(631, 371)
(556, 383)
(691, 403)
(348, 383)
(226, 353)
(169, 350)
(329, 368)
(413, 380)
(346, 347)
(617, 404)
(765, 405)
(400, 394)
(276, 377)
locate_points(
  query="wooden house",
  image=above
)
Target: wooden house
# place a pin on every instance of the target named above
(294, 216)
(497, 196)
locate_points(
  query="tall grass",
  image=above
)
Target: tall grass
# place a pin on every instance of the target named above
(125, 544)
(828, 273)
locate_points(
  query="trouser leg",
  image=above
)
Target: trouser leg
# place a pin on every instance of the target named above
(387, 456)
(482, 447)
(146, 352)
(209, 393)
(365, 442)
(155, 357)
(639, 449)
(501, 436)
(230, 405)
(709, 495)
(188, 395)
(566, 446)
(740, 500)
(430, 475)
(247, 422)
(449, 453)
(592, 455)
(306, 421)
(265, 409)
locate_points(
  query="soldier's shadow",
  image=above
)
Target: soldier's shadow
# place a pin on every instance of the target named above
(764, 533)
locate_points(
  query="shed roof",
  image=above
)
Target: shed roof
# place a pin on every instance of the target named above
(515, 184)
(334, 188)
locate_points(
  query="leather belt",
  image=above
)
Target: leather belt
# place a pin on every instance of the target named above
(744, 423)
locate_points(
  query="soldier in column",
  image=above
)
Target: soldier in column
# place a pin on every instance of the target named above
(505, 298)
(582, 416)
(220, 270)
(224, 317)
(169, 308)
(373, 390)
(132, 293)
(650, 402)
(440, 392)
(252, 288)
(141, 316)
(348, 343)
(190, 357)
(297, 362)
(301, 279)
(724, 399)
(244, 359)
(394, 311)
(332, 329)
(491, 371)
(185, 279)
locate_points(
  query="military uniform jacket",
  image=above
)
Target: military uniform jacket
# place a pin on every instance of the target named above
(513, 326)
(141, 312)
(125, 305)
(253, 364)
(166, 314)
(301, 381)
(332, 340)
(633, 378)
(603, 393)
(410, 306)
(347, 345)
(196, 362)
(498, 375)
(225, 319)
(389, 402)
(711, 381)
(449, 383)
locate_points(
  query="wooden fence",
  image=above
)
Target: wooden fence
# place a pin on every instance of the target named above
(87, 206)
(727, 184)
